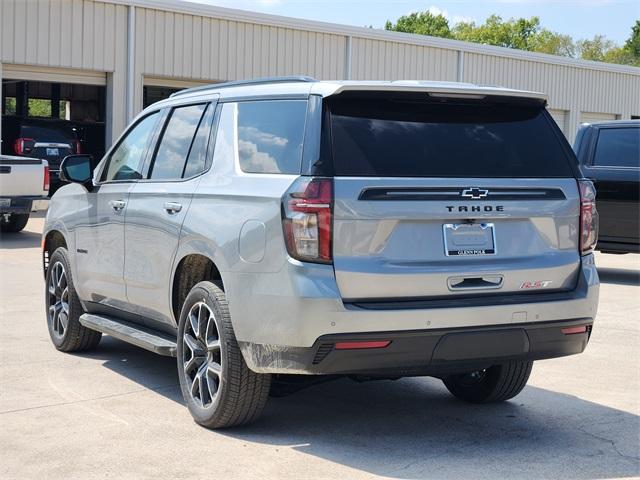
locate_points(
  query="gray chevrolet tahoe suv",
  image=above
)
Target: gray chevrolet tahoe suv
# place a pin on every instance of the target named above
(273, 231)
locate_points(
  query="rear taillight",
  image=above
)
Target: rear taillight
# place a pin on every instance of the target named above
(588, 217)
(47, 178)
(77, 146)
(24, 146)
(307, 219)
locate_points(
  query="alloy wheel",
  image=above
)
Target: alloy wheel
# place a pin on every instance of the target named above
(58, 300)
(201, 355)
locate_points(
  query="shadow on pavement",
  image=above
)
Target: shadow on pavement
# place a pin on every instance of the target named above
(619, 276)
(412, 428)
(24, 239)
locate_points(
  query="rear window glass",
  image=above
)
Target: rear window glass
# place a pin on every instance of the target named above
(618, 147)
(377, 137)
(270, 135)
(48, 134)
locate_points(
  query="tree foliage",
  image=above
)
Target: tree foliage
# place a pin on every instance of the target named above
(423, 23)
(522, 34)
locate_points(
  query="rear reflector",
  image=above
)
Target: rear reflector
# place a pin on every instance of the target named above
(358, 345)
(574, 330)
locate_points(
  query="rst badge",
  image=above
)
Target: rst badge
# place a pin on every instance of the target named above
(535, 284)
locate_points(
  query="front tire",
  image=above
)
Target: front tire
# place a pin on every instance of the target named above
(14, 222)
(218, 387)
(494, 384)
(64, 308)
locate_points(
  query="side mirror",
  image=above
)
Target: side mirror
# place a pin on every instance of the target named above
(77, 169)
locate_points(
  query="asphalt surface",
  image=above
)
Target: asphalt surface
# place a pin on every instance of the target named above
(117, 412)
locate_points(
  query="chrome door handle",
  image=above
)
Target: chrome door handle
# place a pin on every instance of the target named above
(117, 205)
(172, 207)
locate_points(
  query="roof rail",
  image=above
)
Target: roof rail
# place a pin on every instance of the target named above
(239, 83)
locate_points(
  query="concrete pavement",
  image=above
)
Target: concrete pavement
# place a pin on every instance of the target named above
(117, 412)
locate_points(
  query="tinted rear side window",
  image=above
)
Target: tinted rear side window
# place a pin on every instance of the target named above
(270, 135)
(618, 147)
(389, 138)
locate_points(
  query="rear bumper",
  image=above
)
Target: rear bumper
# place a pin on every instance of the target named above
(20, 204)
(427, 352)
(280, 319)
(606, 246)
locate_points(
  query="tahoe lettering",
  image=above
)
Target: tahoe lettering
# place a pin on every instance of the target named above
(476, 208)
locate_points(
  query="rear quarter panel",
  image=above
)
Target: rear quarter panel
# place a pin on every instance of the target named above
(234, 219)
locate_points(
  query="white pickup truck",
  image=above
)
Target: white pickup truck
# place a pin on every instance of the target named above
(22, 180)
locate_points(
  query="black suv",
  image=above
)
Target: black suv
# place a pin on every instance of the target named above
(609, 155)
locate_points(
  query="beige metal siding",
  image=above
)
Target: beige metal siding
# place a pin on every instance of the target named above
(591, 117)
(183, 46)
(560, 117)
(62, 33)
(380, 60)
(78, 41)
(200, 48)
(566, 86)
(50, 74)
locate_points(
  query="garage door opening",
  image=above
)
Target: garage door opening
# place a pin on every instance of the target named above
(52, 120)
(152, 94)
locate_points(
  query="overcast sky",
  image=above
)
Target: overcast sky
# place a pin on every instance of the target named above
(578, 18)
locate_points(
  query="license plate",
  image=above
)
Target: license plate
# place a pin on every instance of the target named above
(5, 202)
(53, 152)
(469, 239)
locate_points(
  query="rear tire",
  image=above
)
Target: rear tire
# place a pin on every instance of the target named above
(218, 387)
(63, 308)
(14, 222)
(495, 384)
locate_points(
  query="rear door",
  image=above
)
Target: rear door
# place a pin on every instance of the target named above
(454, 197)
(615, 170)
(158, 205)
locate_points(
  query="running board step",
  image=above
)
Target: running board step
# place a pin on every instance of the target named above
(154, 341)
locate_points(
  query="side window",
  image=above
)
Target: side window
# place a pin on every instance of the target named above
(270, 135)
(618, 147)
(175, 143)
(198, 154)
(125, 163)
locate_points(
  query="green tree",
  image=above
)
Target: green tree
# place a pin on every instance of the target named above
(514, 33)
(594, 49)
(423, 23)
(523, 34)
(632, 45)
(547, 41)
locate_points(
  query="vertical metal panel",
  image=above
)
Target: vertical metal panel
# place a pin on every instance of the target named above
(60, 33)
(566, 86)
(560, 117)
(380, 60)
(201, 48)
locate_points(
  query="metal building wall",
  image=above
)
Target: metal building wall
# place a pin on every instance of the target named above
(575, 89)
(71, 36)
(188, 43)
(170, 44)
(385, 60)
